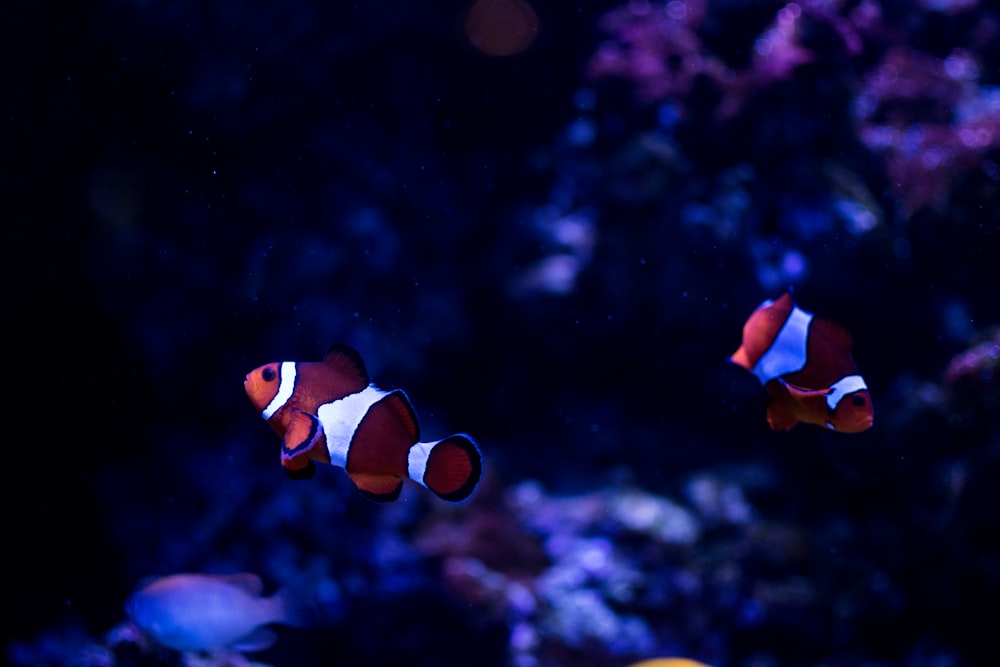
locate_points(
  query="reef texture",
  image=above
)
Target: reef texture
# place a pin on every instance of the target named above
(553, 250)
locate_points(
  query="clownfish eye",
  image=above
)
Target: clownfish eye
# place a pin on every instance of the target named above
(858, 401)
(268, 374)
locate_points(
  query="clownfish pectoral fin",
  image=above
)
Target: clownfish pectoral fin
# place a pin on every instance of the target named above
(451, 467)
(304, 433)
(348, 361)
(780, 418)
(379, 488)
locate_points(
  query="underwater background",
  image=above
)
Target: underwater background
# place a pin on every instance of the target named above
(553, 248)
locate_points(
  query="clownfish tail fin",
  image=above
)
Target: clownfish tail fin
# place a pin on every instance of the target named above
(451, 468)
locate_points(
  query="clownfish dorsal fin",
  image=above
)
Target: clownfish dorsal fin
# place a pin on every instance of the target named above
(839, 337)
(401, 407)
(347, 360)
(246, 581)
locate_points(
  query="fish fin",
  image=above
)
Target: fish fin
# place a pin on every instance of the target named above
(740, 358)
(402, 409)
(454, 468)
(379, 488)
(245, 581)
(304, 433)
(297, 604)
(779, 414)
(258, 640)
(779, 418)
(839, 337)
(348, 361)
(761, 329)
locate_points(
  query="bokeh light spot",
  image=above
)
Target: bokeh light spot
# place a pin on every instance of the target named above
(501, 27)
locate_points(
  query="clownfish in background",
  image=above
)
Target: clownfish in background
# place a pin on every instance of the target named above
(330, 412)
(805, 364)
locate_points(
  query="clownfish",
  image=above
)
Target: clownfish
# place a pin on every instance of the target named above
(805, 364)
(206, 612)
(329, 411)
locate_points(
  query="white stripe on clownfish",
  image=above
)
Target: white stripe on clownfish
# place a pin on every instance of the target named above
(787, 353)
(341, 418)
(843, 387)
(416, 461)
(285, 389)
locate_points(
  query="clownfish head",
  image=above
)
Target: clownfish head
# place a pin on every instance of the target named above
(262, 386)
(853, 413)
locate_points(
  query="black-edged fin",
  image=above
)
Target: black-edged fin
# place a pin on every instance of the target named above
(454, 468)
(399, 403)
(348, 361)
(304, 433)
(379, 488)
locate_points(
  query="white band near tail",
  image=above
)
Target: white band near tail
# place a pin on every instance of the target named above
(843, 387)
(787, 353)
(285, 389)
(341, 418)
(416, 461)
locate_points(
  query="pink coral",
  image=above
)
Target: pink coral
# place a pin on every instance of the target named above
(657, 48)
(925, 144)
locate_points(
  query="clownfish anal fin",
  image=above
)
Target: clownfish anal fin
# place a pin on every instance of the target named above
(348, 361)
(779, 411)
(779, 418)
(304, 433)
(379, 488)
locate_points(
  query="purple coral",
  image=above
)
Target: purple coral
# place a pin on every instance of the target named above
(658, 48)
(929, 119)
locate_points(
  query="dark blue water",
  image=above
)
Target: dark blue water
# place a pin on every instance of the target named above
(554, 251)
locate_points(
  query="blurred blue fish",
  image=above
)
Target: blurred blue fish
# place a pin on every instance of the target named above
(204, 612)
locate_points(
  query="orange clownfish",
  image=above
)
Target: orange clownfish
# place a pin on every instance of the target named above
(330, 412)
(805, 364)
